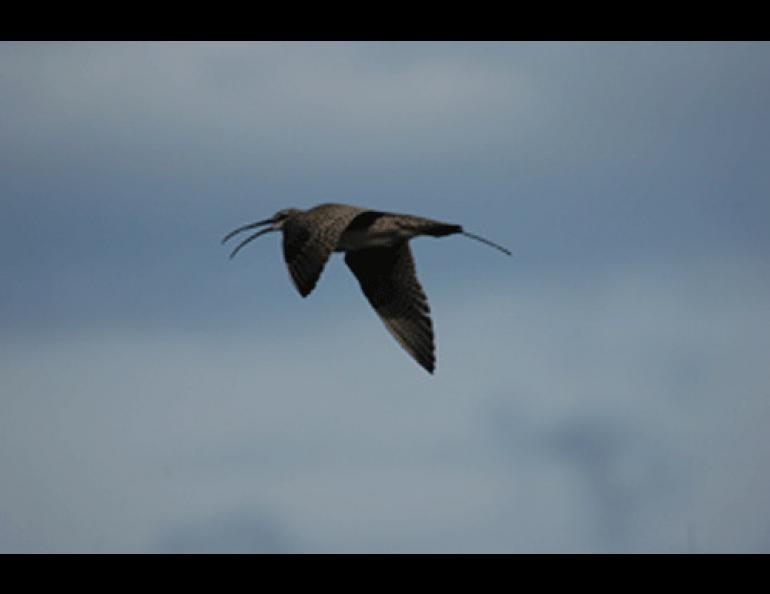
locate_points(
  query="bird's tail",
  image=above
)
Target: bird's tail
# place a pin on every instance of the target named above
(442, 230)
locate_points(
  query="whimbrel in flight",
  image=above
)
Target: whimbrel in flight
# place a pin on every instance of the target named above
(376, 246)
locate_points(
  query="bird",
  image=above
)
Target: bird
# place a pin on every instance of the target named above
(376, 248)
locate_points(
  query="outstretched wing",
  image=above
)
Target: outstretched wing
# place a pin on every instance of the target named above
(309, 238)
(388, 279)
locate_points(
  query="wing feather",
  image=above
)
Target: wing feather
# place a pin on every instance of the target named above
(309, 238)
(388, 279)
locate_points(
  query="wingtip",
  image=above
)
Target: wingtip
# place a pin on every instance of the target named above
(304, 292)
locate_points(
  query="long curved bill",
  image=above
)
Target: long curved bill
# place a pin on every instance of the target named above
(250, 238)
(246, 228)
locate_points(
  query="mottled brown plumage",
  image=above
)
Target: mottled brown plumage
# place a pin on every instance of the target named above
(376, 251)
(310, 237)
(388, 279)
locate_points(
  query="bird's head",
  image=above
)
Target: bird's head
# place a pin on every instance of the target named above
(280, 218)
(276, 223)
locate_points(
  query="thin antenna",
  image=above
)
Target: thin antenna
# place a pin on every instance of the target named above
(482, 240)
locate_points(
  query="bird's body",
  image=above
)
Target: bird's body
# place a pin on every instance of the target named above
(376, 250)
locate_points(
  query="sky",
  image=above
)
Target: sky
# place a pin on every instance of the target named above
(606, 389)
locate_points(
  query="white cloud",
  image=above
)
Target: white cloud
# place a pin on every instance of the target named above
(619, 406)
(629, 415)
(285, 94)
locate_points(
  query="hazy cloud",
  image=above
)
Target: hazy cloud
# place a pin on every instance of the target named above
(603, 390)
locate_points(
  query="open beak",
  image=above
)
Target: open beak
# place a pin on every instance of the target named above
(250, 237)
(245, 228)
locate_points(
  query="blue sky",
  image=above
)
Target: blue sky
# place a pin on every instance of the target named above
(606, 389)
